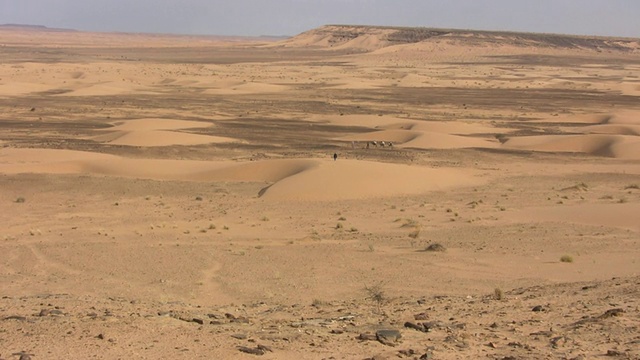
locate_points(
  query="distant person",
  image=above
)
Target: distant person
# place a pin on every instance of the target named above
(335, 156)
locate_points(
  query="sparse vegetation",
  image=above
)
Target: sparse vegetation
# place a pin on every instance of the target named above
(318, 303)
(502, 138)
(339, 226)
(498, 294)
(632, 186)
(415, 233)
(566, 258)
(376, 294)
(435, 247)
(409, 223)
(20, 199)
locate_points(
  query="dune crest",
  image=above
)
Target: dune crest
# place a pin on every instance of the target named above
(157, 132)
(353, 179)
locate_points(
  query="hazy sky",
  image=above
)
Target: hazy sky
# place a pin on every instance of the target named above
(290, 17)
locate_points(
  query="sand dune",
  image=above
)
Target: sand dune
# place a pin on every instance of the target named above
(302, 179)
(611, 129)
(352, 179)
(157, 124)
(162, 138)
(395, 136)
(430, 140)
(456, 128)
(105, 89)
(578, 119)
(15, 88)
(617, 146)
(370, 121)
(247, 88)
(157, 132)
(429, 134)
(625, 117)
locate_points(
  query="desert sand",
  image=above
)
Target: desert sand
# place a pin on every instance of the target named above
(176, 197)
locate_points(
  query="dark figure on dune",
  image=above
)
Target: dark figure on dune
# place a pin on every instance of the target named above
(335, 156)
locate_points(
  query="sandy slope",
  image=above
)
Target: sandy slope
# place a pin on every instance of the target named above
(302, 179)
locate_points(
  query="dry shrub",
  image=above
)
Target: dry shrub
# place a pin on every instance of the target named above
(435, 247)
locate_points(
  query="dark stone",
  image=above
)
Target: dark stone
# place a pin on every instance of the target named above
(258, 350)
(421, 316)
(538, 308)
(198, 321)
(612, 312)
(389, 337)
(367, 336)
(240, 320)
(615, 353)
(419, 327)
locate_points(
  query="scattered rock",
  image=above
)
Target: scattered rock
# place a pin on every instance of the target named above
(337, 331)
(421, 316)
(558, 341)
(615, 353)
(538, 308)
(409, 352)
(258, 350)
(23, 355)
(414, 326)
(198, 321)
(611, 313)
(367, 337)
(100, 336)
(388, 337)
(15, 317)
(546, 333)
(239, 336)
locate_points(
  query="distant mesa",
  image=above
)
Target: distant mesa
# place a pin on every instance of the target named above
(369, 38)
(33, 28)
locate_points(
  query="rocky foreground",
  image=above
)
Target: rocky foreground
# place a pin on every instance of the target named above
(569, 321)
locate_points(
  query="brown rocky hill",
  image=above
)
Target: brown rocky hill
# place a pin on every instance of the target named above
(368, 38)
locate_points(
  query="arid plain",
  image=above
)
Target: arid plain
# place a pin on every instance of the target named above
(176, 197)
